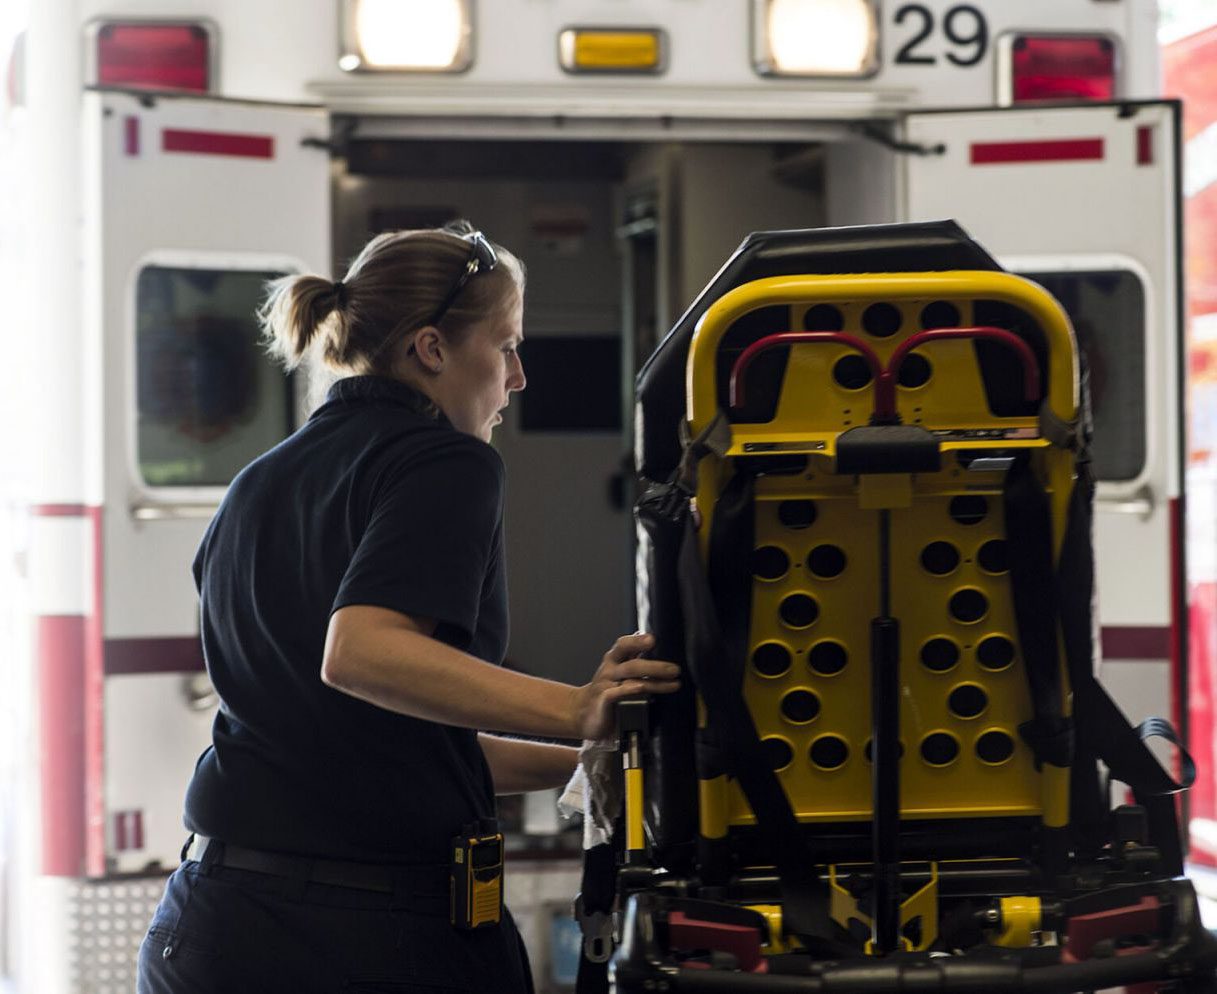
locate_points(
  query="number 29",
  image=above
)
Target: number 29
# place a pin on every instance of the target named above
(963, 25)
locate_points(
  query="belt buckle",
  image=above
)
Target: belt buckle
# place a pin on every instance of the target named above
(597, 929)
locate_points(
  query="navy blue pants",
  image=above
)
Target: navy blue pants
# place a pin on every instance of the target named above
(220, 930)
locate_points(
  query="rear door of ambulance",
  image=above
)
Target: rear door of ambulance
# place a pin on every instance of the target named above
(192, 205)
(1085, 200)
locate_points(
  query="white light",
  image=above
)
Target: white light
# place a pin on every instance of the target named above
(410, 34)
(821, 36)
(349, 63)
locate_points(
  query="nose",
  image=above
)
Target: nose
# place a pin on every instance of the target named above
(516, 379)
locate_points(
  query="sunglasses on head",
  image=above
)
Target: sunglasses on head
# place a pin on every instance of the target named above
(481, 259)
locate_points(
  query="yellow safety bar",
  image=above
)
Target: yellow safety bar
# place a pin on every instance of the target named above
(702, 390)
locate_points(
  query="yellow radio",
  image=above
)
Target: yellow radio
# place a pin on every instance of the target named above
(477, 875)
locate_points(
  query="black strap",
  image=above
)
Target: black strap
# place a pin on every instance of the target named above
(1103, 726)
(1104, 734)
(597, 892)
(718, 677)
(1029, 544)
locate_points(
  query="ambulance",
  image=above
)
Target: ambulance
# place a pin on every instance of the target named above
(176, 154)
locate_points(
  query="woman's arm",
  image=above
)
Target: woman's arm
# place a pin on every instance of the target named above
(519, 766)
(390, 659)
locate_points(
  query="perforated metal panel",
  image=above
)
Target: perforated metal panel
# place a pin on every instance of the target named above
(108, 921)
(816, 567)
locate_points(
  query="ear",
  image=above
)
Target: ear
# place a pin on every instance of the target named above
(429, 346)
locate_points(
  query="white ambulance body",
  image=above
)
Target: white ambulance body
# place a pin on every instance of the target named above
(623, 148)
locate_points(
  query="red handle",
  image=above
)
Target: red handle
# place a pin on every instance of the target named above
(885, 383)
(885, 377)
(735, 387)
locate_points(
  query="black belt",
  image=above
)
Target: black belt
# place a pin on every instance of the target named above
(423, 879)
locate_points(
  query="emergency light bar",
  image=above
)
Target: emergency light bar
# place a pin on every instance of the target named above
(406, 35)
(815, 37)
(1057, 67)
(163, 56)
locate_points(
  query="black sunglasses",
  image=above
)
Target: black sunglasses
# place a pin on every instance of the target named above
(482, 259)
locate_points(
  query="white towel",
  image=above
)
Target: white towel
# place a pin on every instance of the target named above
(595, 790)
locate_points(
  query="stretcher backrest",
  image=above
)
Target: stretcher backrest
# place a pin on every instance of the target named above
(815, 561)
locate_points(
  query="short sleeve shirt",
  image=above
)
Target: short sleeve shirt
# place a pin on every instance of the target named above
(377, 500)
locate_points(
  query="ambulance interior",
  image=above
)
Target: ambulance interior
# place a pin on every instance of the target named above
(617, 238)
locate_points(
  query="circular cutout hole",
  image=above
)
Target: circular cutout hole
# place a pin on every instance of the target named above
(799, 610)
(994, 747)
(915, 371)
(827, 658)
(939, 654)
(940, 314)
(969, 605)
(829, 752)
(969, 509)
(778, 751)
(995, 653)
(771, 659)
(881, 320)
(823, 317)
(826, 561)
(994, 556)
(868, 749)
(769, 563)
(939, 749)
(800, 706)
(939, 558)
(967, 700)
(851, 372)
(797, 513)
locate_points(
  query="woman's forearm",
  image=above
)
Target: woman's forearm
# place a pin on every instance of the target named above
(519, 766)
(389, 660)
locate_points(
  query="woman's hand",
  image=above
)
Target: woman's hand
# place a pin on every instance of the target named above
(622, 673)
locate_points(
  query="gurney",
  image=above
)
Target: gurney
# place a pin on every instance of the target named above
(868, 542)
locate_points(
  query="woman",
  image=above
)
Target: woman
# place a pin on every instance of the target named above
(353, 619)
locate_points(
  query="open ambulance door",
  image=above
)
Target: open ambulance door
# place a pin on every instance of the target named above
(191, 205)
(1085, 200)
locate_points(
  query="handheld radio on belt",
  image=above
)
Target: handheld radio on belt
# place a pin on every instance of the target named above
(477, 875)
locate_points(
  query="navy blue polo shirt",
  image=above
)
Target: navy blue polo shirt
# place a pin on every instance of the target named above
(377, 500)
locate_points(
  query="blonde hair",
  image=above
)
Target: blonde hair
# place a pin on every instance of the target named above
(394, 287)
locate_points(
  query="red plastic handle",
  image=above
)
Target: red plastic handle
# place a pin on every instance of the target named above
(885, 377)
(885, 383)
(735, 386)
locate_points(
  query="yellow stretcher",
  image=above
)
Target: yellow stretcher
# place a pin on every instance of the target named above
(872, 553)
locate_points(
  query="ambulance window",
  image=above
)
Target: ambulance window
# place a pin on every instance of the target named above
(1107, 309)
(208, 398)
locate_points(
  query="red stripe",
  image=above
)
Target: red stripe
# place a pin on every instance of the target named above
(1137, 642)
(59, 510)
(1177, 630)
(1059, 150)
(153, 655)
(218, 143)
(131, 135)
(128, 830)
(59, 650)
(1145, 145)
(95, 713)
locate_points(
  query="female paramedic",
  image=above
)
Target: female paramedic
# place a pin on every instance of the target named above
(354, 613)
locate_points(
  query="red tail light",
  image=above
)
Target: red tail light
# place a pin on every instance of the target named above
(1062, 68)
(160, 56)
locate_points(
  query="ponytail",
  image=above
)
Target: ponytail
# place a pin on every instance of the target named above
(296, 311)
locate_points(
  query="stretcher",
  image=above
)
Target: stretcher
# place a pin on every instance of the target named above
(892, 766)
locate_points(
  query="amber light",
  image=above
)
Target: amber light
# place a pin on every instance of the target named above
(160, 56)
(1062, 68)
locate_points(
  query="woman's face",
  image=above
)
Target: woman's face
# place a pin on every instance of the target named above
(480, 375)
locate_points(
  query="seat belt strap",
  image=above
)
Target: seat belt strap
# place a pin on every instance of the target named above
(1029, 545)
(719, 681)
